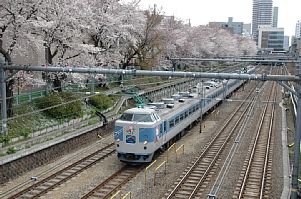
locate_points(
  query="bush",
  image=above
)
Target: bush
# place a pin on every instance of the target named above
(69, 110)
(102, 102)
(24, 133)
(11, 150)
(5, 139)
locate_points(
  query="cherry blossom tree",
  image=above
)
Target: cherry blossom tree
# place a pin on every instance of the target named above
(104, 33)
(14, 20)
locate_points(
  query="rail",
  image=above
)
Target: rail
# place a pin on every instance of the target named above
(41, 187)
(260, 146)
(210, 153)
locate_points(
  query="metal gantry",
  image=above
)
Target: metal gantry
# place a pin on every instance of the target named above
(256, 77)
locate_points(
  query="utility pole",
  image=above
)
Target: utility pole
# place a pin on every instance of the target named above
(295, 187)
(3, 97)
(202, 102)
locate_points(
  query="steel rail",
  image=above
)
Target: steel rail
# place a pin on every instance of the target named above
(108, 187)
(268, 147)
(206, 150)
(252, 155)
(88, 161)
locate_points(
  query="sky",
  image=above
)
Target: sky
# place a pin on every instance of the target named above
(201, 12)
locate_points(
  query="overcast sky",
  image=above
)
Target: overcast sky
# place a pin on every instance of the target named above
(200, 12)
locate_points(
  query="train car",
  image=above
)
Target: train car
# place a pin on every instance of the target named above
(140, 132)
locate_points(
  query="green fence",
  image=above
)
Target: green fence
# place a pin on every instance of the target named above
(27, 97)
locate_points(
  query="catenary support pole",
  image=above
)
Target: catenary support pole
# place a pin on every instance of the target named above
(202, 101)
(3, 101)
(294, 191)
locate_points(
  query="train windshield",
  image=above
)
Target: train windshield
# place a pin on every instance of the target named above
(126, 117)
(137, 117)
(142, 118)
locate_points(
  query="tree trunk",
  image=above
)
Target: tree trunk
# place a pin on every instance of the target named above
(9, 84)
(10, 97)
(56, 82)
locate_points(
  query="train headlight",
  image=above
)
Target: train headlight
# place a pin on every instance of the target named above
(145, 142)
(118, 140)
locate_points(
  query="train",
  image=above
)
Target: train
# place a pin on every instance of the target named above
(142, 131)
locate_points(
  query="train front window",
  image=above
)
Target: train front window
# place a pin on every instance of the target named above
(126, 117)
(143, 118)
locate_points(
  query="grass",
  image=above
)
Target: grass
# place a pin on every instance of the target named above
(28, 119)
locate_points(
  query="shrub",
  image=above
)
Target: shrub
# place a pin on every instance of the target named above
(102, 102)
(11, 150)
(68, 110)
(24, 133)
(5, 139)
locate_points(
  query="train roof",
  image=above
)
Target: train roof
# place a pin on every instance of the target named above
(145, 110)
(176, 105)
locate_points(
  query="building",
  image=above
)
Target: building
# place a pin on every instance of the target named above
(246, 29)
(298, 29)
(262, 15)
(233, 27)
(275, 17)
(270, 38)
(296, 46)
(286, 43)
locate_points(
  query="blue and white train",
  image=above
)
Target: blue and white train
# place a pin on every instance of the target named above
(140, 132)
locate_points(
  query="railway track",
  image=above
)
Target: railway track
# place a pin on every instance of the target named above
(255, 177)
(195, 178)
(41, 187)
(114, 182)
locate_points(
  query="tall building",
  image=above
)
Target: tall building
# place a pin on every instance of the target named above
(298, 29)
(233, 27)
(262, 15)
(275, 17)
(270, 38)
(286, 43)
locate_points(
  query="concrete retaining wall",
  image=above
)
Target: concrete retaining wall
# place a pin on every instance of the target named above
(15, 168)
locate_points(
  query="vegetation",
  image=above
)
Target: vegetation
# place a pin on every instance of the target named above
(56, 108)
(11, 150)
(102, 102)
(63, 103)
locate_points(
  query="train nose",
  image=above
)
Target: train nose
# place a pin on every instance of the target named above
(145, 157)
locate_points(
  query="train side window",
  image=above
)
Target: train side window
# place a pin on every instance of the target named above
(171, 123)
(197, 107)
(153, 117)
(177, 120)
(190, 111)
(165, 126)
(161, 128)
(186, 114)
(157, 116)
(181, 116)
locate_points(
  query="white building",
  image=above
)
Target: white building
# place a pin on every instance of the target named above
(270, 38)
(298, 29)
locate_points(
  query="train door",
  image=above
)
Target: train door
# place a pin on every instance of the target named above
(164, 131)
